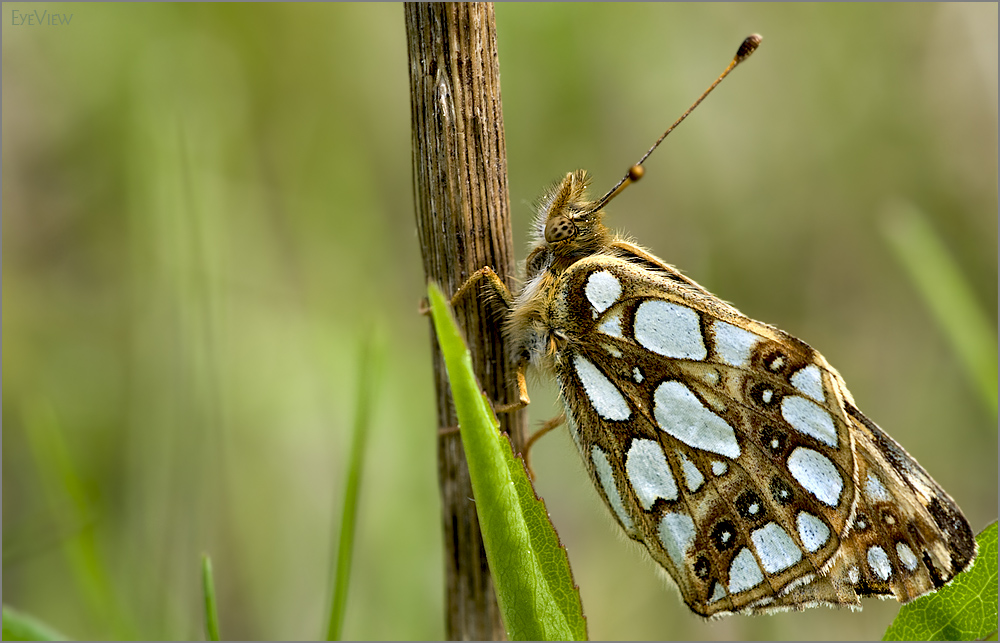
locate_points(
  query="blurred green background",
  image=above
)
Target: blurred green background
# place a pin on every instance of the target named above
(207, 206)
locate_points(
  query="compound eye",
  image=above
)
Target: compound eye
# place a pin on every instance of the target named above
(559, 228)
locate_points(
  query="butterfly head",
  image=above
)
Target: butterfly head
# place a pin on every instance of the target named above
(568, 223)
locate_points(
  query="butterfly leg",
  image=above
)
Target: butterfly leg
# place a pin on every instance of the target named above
(496, 286)
(546, 427)
(523, 401)
(522, 395)
(493, 282)
(502, 298)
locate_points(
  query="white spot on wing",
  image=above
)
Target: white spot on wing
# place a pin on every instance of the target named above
(676, 533)
(817, 475)
(875, 490)
(854, 575)
(744, 573)
(733, 344)
(809, 381)
(682, 415)
(775, 548)
(692, 477)
(605, 475)
(809, 418)
(879, 563)
(612, 325)
(718, 594)
(906, 556)
(813, 532)
(608, 401)
(637, 375)
(719, 467)
(649, 473)
(669, 329)
(603, 289)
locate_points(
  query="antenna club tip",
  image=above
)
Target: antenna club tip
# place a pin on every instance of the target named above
(635, 173)
(748, 47)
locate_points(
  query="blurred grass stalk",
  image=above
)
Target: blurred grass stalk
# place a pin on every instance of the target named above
(72, 511)
(178, 225)
(369, 373)
(946, 293)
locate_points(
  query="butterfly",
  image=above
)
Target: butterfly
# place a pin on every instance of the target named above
(731, 450)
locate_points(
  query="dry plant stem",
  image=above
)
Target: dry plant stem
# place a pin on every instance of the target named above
(462, 209)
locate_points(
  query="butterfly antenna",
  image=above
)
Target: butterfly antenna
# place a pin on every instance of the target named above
(635, 172)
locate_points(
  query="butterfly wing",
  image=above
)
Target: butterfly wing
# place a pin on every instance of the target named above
(732, 450)
(908, 536)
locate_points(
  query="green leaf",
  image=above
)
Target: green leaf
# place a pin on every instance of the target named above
(21, 627)
(369, 372)
(208, 589)
(965, 609)
(534, 584)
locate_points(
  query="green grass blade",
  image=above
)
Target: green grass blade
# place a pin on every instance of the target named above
(21, 627)
(208, 589)
(369, 372)
(948, 295)
(963, 610)
(530, 569)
